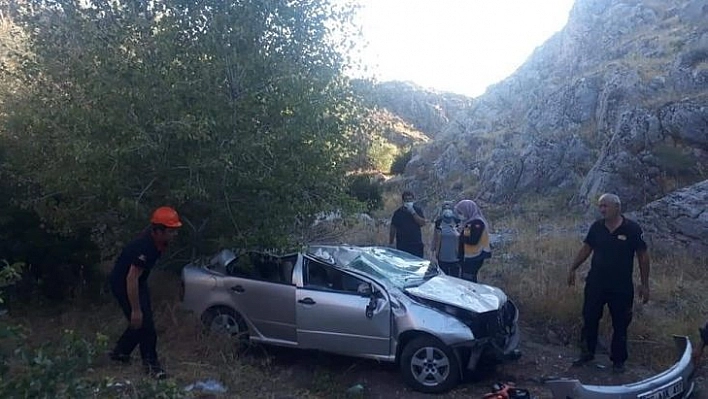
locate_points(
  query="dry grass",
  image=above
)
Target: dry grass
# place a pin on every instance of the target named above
(186, 351)
(533, 270)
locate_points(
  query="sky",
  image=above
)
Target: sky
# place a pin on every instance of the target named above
(459, 46)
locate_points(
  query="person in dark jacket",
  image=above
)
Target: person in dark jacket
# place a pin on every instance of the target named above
(405, 226)
(128, 281)
(613, 240)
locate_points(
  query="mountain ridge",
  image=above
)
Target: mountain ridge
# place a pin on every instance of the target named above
(616, 101)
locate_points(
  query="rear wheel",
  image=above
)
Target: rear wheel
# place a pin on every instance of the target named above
(429, 366)
(224, 320)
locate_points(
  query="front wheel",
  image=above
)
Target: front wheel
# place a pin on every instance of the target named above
(429, 366)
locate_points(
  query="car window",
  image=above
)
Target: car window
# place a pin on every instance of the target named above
(241, 267)
(263, 267)
(324, 277)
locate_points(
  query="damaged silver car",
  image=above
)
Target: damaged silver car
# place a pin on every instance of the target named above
(370, 302)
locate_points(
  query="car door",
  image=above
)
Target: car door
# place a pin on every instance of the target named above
(332, 315)
(267, 301)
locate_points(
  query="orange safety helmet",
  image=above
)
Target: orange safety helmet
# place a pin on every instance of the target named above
(166, 216)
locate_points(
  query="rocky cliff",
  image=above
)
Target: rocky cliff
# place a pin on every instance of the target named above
(679, 218)
(616, 101)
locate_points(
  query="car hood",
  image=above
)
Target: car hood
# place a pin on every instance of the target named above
(464, 294)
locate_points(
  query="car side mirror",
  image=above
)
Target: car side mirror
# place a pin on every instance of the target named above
(366, 289)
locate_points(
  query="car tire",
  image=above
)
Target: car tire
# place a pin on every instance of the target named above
(222, 319)
(429, 366)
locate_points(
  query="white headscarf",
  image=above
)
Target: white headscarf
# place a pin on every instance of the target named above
(469, 211)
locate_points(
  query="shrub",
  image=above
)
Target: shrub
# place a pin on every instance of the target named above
(398, 166)
(366, 190)
(61, 370)
(382, 153)
(58, 265)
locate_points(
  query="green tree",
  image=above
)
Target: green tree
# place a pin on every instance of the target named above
(235, 112)
(398, 166)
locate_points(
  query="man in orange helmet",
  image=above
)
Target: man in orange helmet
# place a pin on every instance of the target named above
(128, 281)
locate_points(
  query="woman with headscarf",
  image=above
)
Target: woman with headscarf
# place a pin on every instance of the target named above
(474, 245)
(446, 239)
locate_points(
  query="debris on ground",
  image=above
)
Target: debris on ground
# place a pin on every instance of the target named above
(507, 391)
(207, 386)
(355, 390)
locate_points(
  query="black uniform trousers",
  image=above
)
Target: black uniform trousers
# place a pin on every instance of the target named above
(145, 336)
(470, 268)
(619, 300)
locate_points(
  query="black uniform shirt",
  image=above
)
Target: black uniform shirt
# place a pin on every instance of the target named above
(407, 229)
(141, 252)
(613, 253)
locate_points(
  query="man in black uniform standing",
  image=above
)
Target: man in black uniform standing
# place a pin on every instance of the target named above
(613, 241)
(128, 281)
(405, 226)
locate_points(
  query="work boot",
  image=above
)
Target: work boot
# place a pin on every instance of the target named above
(583, 359)
(155, 371)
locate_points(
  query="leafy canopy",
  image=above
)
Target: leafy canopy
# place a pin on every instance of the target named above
(235, 112)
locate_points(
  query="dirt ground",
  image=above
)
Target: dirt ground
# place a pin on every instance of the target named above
(260, 371)
(538, 363)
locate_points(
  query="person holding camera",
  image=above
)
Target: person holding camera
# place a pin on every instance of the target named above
(406, 226)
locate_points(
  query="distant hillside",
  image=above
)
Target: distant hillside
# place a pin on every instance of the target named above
(616, 101)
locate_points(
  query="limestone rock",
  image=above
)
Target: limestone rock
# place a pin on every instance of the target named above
(677, 222)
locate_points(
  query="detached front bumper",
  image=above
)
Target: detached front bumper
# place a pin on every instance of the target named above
(674, 383)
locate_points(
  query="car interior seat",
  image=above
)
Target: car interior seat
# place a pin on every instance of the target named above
(317, 276)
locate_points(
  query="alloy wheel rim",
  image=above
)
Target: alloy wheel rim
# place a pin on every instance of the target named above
(430, 366)
(224, 323)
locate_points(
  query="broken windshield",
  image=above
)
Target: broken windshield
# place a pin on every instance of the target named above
(400, 268)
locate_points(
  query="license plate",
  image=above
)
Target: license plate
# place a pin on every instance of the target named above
(667, 391)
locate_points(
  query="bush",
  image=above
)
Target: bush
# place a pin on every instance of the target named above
(398, 166)
(382, 153)
(51, 371)
(58, 265)
(366, 190)
(60, 370)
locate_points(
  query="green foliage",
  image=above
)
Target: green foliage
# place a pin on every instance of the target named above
(54, 370)
(225, 110)
(58, 265)
(382, 153)
(398, 166)
(367, 190)
(9, 275)
(61, 369)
